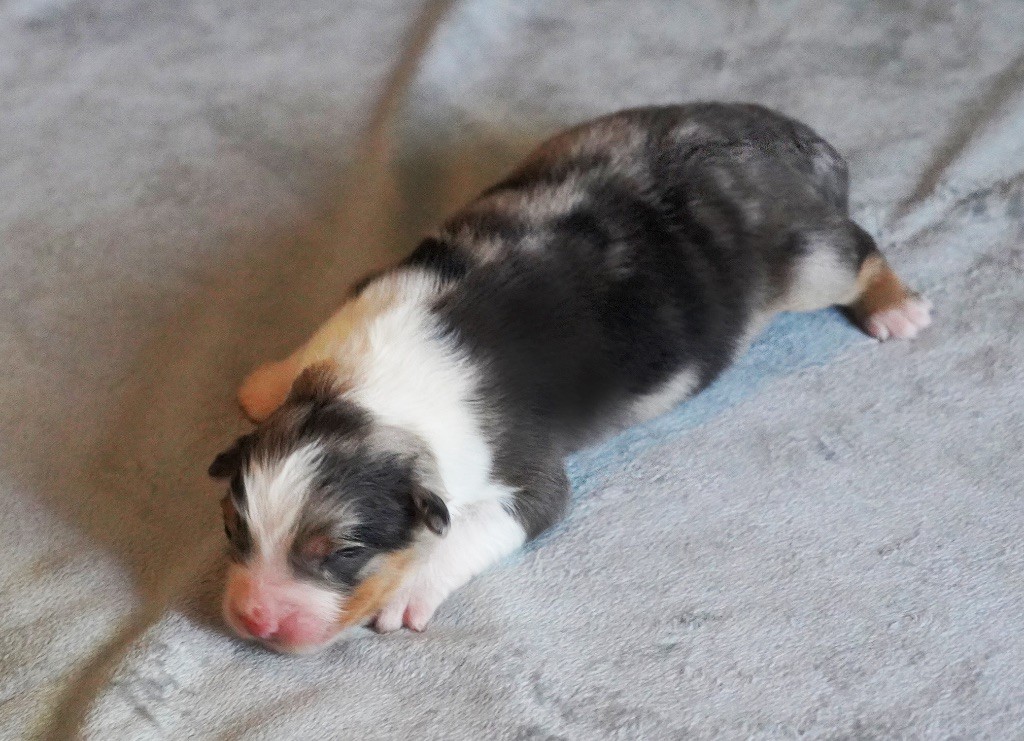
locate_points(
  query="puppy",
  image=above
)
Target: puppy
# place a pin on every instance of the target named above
(418, 436)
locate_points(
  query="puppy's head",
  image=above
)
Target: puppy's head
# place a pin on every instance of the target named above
(324, 510)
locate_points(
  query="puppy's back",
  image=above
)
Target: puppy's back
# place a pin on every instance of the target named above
(630, 252)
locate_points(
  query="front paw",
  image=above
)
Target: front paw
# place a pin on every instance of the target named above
(265, 389)
(412, 606)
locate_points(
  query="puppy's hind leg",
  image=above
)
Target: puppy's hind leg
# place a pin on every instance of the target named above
(884, 307)
(843, 266)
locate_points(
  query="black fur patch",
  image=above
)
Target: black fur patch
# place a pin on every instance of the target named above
(235, 527)
(439, 257)
(684, 230)
(373, 491)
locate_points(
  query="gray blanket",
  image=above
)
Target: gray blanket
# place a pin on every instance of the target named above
(826, 544)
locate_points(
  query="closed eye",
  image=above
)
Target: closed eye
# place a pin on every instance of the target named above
(235, 530)
(346, 560)
(320, 555)
(231, 519)
(345, 554)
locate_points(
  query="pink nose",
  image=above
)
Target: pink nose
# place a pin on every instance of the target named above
(258, 623)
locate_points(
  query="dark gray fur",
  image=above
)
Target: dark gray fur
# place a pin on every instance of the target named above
(623, 252)
(689, 223)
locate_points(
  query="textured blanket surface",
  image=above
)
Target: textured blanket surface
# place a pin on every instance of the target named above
(828, 543)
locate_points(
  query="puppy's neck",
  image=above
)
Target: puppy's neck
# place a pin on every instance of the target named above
(394, 359)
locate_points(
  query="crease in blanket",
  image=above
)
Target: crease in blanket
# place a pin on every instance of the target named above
(978, 123)
(91, 678)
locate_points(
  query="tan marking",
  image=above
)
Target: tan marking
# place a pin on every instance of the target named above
(266, 388)
(878, 289)
(317, 548)
(374, 300)
(370, 596)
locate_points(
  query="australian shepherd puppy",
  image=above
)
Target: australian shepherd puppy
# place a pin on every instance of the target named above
(418, 437)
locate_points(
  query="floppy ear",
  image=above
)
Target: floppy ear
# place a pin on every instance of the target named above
(431, 509)
(426, 479)
(227, 463)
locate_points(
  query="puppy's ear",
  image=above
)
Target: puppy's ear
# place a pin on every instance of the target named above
(227, 463)
(431, 509)
(427, 484)
(317, 384)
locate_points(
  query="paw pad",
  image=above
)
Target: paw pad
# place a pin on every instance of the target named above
(901, 321)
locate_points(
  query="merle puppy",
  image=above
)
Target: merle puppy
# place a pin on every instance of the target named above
(418, 437)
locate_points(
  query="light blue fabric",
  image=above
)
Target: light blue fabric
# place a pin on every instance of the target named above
(792, 342)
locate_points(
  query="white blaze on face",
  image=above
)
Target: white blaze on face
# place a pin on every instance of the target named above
(275, 494)
(263, 598)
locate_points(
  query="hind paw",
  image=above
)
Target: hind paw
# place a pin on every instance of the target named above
(901, 321)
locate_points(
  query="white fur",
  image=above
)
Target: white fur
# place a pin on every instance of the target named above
(666, 396)
(399, 367)
(483, 534)
(821, 279)
(275, 494)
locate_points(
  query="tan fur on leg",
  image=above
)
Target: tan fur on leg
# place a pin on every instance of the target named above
(885, 308)
(371, 595)
(266, 388)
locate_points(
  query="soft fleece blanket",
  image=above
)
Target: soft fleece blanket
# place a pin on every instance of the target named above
(827, 544)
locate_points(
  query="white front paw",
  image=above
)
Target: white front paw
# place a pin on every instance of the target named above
(412, 605)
